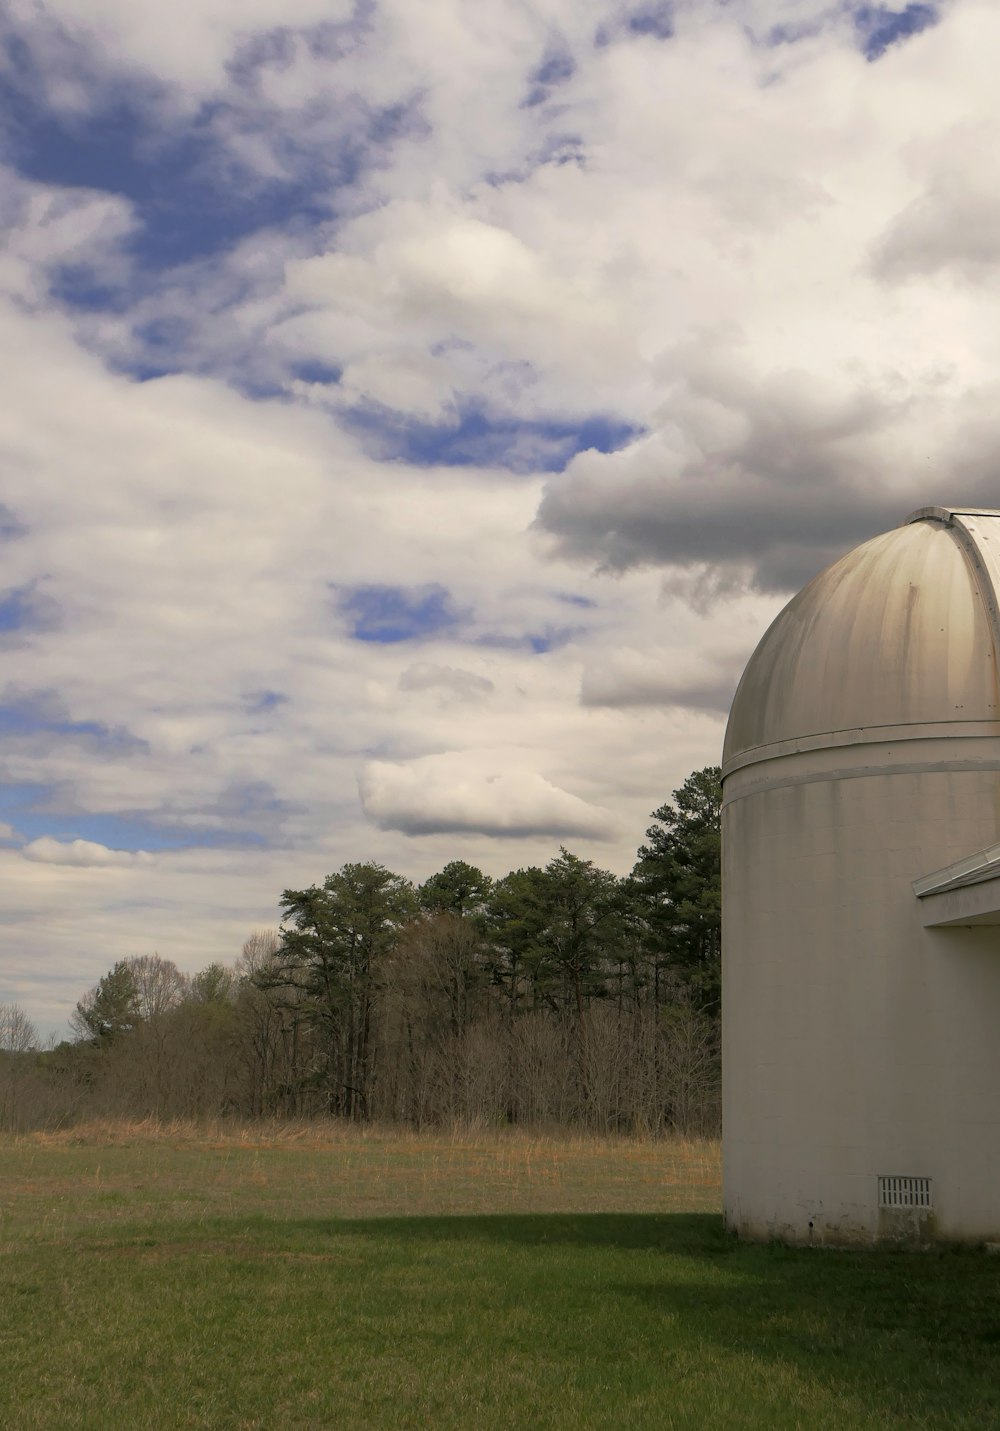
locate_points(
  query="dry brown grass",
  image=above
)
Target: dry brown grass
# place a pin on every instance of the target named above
(311, 1132)
(338, 1170)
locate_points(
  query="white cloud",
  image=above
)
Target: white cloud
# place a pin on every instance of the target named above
(700, 679)
(745, 248)
(472, 291)
(86, 854)
(187, 45)
(953, 225)
(449, 682)
(452, 794)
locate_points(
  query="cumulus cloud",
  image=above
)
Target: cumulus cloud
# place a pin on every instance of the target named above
(420, 388)
(452, 682)
(698, 680)
(953, 225)
(771, 478)
(85, 854)
(448, 794)
(46, 226)
(188, 48)
(759, 481)
(439, 275)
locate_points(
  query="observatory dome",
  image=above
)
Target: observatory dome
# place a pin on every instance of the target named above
(902, 632)
(861, 900)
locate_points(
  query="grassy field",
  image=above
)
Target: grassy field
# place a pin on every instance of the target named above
(168, 1278)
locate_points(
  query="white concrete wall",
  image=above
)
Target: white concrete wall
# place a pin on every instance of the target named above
(855, 1041)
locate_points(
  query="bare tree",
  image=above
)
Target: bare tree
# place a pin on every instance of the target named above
(159, 984)
(17, 1033)
(259, 950)
(18, 1042)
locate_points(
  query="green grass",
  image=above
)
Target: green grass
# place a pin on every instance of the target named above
(179, 1280)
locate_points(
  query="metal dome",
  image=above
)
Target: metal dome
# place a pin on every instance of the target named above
(861, 900)
(900, 638)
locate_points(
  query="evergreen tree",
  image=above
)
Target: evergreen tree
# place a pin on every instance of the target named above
(334, 938)
(677, 882)
(577, 901)
(459, 888)
(111, 1008)
(515, 921)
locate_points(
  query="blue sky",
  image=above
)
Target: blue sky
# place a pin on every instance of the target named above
(391, 614)
(414, 417)
(881, 26)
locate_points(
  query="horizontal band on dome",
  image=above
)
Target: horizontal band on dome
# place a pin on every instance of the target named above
(914, 756)
(863, 735)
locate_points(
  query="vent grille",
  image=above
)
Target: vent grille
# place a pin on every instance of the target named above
(904, 1192)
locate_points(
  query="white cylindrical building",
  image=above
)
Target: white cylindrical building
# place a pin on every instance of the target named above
(861, 899)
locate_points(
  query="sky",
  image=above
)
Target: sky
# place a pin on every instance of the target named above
(413, 416)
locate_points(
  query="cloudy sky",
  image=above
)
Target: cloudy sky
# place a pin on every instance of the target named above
(413, 415)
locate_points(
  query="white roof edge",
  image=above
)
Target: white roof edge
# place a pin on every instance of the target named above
(982, 556)
(946, 514)
(983, 865)
(984, 560)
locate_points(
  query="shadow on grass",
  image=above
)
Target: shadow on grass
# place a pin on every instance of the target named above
(686, 1234)
(912, 1336)
(877, 1339)
(948, 1292)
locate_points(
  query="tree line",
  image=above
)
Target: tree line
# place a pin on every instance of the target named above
(554, 995)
